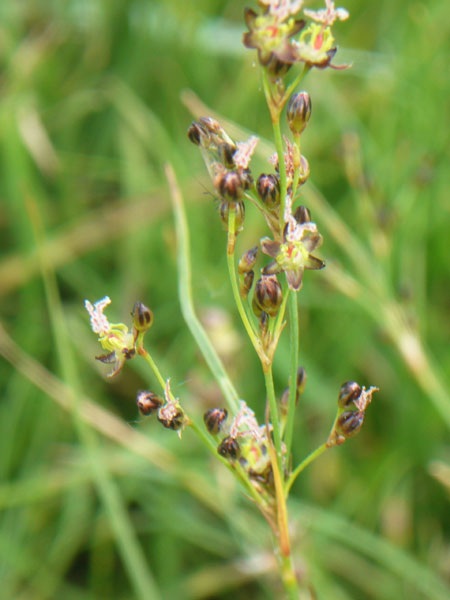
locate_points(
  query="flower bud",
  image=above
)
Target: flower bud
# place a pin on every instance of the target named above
(226, 152)
(246, 283)
(248, 260)
(349, 423)
(171, 416)
(229, 185)
(298, 112)
(240, 214)
(229, 448)
(142, 317)
(350, 391)
(148, 402)
(268, 187)
(302, 215)
(268, 294)
(214, 419)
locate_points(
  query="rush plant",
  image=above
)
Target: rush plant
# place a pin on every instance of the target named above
(266, 281)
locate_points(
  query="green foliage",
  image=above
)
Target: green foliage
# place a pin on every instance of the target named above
(103, 504)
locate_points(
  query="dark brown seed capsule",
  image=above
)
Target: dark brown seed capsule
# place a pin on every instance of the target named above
(171, 417)
(229, 448)
(226, 152)
(195, 133)
(246, 284)
(350, 391)
(239, 207)
(268, 294)
(268, 187)
(148, 402)
(350, 422)
(302, 215)
(142, 317)
(214, 419)
(229, 185)
(248, 260)
(298, 112)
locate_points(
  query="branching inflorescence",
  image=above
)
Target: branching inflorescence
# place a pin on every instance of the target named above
(259, 454)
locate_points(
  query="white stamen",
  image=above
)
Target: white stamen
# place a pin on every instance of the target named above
(99, 323)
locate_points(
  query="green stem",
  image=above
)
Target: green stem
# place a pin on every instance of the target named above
(294, 329)
(288, 577)
(186, 299)
(234, 285)
(305, 462)
(146, 356)
(273, 413)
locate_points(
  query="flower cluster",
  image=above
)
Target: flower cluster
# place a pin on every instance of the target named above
(242, 439)
(353, 401)
(228, 165)
(272, 33)
(119, 342)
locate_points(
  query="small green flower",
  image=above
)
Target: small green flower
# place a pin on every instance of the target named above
(115, 338)
(293, 255)
(270, 35)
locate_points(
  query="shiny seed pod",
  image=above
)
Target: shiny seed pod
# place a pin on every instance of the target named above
(142, 317)
(240, 214)
(229, 448)
(171, 417)
(268, 294)
(246, 284)
(248, 260)
(226, 152)
(268, 187)
(214, 419)
(148, 402)
(350, 422)
(350, 391)
(229, 185)
(302, 215)
(195, 133)
(298, 112)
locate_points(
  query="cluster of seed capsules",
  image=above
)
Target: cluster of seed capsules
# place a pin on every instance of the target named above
(242, 440)
(352, 403)
(231, 177)
(169, 413)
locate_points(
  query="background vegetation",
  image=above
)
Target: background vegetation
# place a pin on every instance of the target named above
(93, 103)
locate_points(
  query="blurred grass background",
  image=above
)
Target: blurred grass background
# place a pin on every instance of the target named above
(90, 111)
